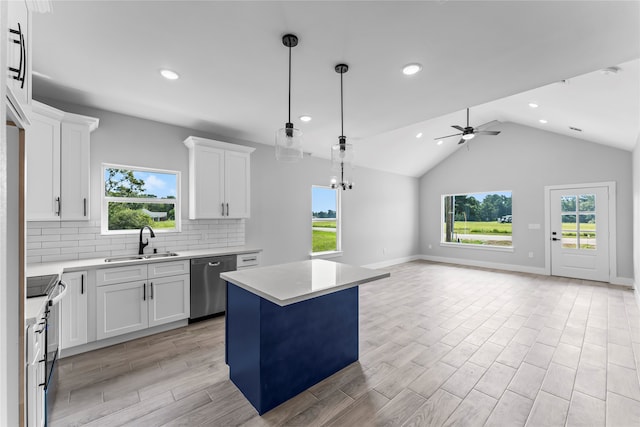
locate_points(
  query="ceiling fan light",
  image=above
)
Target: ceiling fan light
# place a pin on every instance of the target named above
(468, 136)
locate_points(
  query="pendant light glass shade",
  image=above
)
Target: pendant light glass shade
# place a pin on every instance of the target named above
(342, 153)
(288, 144)
(342, 165)
(289, 139)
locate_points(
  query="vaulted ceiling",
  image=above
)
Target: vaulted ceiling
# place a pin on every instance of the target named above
(492, 56)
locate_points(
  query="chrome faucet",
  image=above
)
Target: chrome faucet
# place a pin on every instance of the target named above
(141, 246)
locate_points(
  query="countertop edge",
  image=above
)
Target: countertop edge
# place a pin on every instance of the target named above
(59, 267)
(315, 294)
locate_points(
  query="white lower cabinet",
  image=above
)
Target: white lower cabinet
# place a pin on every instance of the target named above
(168, 299)
(122, 308)
(73, 310)
(160, 297)
(35, 410)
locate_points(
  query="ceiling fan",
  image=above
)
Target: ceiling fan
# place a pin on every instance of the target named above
(469, 132)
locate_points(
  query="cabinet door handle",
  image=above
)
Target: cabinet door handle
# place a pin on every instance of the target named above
(81, 284)
(222, 204)
(144, 292)
(249, 259)
(85, 206)
(21, 70)
(151, 290)
(59, 205)
(227, 209)
(23, 42)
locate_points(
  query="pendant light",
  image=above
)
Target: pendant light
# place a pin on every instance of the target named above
(289, 139)
(342, 153)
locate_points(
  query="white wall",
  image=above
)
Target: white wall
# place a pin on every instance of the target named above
(524, 160)
(381, 213)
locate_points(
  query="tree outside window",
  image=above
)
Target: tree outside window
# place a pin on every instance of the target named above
(478, 219)
(135, 197)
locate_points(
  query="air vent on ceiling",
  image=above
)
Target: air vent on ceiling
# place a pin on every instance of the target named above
(576, 129)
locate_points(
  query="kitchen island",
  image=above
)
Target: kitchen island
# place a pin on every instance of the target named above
(290, 326)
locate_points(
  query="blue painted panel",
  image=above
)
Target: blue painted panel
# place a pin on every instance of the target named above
(243, 341)
(304, 343)
(276, 352)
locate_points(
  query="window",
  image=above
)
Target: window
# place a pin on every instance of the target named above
(325, 227)
(483, 219)
(134, 197)
(579, 221)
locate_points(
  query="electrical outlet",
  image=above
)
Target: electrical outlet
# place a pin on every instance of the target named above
(430, 246)
(530, 254)
(384, 251)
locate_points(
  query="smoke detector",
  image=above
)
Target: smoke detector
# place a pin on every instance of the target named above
(610, 70)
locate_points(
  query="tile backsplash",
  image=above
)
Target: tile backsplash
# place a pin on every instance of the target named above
(69, 240)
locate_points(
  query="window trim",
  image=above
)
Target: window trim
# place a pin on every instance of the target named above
(338, 251)
(104, 203)
(497, 248)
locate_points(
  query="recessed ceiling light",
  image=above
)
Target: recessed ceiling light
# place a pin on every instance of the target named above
(543, 121)
(533, 105)
(440, 142)
(419, 135)
(411, 69)
(169, 75)
(305, 118)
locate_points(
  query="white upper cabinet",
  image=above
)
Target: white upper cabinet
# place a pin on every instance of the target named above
(219, 179)
(57, 149)
(43, 167)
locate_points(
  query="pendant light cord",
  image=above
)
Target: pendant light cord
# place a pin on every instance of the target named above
(341, 108)
(289, 84)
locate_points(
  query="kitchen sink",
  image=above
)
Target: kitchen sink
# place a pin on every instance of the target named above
(140, 257)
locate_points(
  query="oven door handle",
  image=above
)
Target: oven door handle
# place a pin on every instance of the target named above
(61, 295)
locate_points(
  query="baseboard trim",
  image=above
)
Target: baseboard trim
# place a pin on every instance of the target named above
(484, 264)
(622, 281)
(636, 293)
(121, 338)
(389, 263)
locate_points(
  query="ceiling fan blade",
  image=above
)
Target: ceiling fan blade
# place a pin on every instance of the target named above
(487, 132)
(462, 141)
(488, 124)
(442, 137)
(460, 128)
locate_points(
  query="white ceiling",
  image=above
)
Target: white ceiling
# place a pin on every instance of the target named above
(490, 56)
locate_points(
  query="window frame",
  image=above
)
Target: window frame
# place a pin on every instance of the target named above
(105, 200)
(496, 248)
(338, 251)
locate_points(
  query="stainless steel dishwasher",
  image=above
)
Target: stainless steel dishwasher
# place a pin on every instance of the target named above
(208, 290)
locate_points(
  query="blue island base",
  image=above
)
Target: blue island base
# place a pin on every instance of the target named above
(276, 352)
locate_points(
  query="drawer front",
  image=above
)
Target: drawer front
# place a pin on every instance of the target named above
(248, 260)
(171, 268)
(130, 273)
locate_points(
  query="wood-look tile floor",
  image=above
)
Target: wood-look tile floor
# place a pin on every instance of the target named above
(439, 345)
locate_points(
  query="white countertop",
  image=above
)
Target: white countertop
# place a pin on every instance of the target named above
(33, 306)
(286, 284)
(82, 264)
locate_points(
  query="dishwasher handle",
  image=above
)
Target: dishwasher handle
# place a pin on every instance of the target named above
(214, 264)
